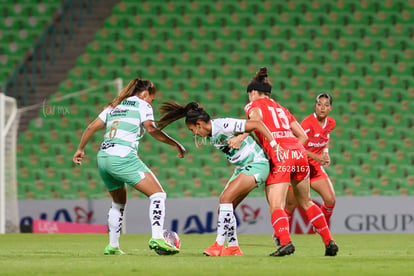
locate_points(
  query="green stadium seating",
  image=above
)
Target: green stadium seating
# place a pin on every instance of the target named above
(21, 24)
(208, 51)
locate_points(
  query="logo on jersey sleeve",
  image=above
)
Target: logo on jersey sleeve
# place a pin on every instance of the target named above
(238, 126)
(150, 112)
(247, 107)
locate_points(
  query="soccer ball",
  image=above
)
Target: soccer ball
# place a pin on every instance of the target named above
(172, 239)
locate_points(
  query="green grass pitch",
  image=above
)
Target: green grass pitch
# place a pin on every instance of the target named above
(78, 254)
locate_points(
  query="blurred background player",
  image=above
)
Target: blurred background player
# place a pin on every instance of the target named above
(252, 166)
(318, 127)
(126, 119)
(292, 169)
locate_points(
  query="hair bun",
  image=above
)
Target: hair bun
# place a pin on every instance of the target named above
(263, 71)
(192, 106)
(262, 74)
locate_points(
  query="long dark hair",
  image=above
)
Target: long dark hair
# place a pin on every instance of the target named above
(261, 82)
(134, 87)
(173, 111)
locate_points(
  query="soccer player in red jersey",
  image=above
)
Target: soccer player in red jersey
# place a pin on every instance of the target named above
(318, 127)
(288, 166)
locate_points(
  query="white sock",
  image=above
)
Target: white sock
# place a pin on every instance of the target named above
(232, 232)
(224, 218)
(157, 214)
(115, 218)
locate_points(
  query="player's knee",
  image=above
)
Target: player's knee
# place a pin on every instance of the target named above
(330, 201)
(226, 198)
(305, 203)
(291, 206)
(274, 206)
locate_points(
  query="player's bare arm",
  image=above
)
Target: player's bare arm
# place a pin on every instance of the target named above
(262, 128)
(326, 157)
(256, 114)
(93, 127)
(235, 142)
(299, 132)
(163, 137)
(322, 159)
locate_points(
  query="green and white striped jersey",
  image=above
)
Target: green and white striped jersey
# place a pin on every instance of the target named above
(124, 125)
(223, 129)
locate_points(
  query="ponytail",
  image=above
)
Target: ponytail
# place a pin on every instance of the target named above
(134, 87)
(172, 111)
(126, 92)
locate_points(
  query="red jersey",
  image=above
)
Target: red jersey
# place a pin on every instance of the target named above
(318, 135)
(278, 120)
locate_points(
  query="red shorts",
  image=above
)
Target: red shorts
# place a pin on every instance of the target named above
(317, 173)
(295, 166)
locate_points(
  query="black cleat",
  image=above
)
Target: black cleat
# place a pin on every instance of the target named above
(284, 250)
(277, 241)
(331, 248)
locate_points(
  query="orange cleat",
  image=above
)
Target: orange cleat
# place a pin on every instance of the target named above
(232, 251)
(214, 250)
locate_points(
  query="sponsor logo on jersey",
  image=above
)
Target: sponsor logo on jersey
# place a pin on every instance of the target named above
(107, 145)
(316, 145)
(282, 134)
(118, 112)
(130, 103)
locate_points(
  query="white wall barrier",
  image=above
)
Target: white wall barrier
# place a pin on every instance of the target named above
(351, 215)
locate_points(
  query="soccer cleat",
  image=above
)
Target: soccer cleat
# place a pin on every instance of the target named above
(277, 241)
(284, 250)
(109, 250)
(331, 249)
(231, 251)
(214, 250)
(161, 244)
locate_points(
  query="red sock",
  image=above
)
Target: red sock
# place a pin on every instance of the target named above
(327, 211)
(316, 217)
(290, 217)
(280, 224)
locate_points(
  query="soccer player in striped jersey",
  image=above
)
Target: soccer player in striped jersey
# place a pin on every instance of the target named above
(318, 127)
(290, 169)
(126, 119)
(252, 166)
